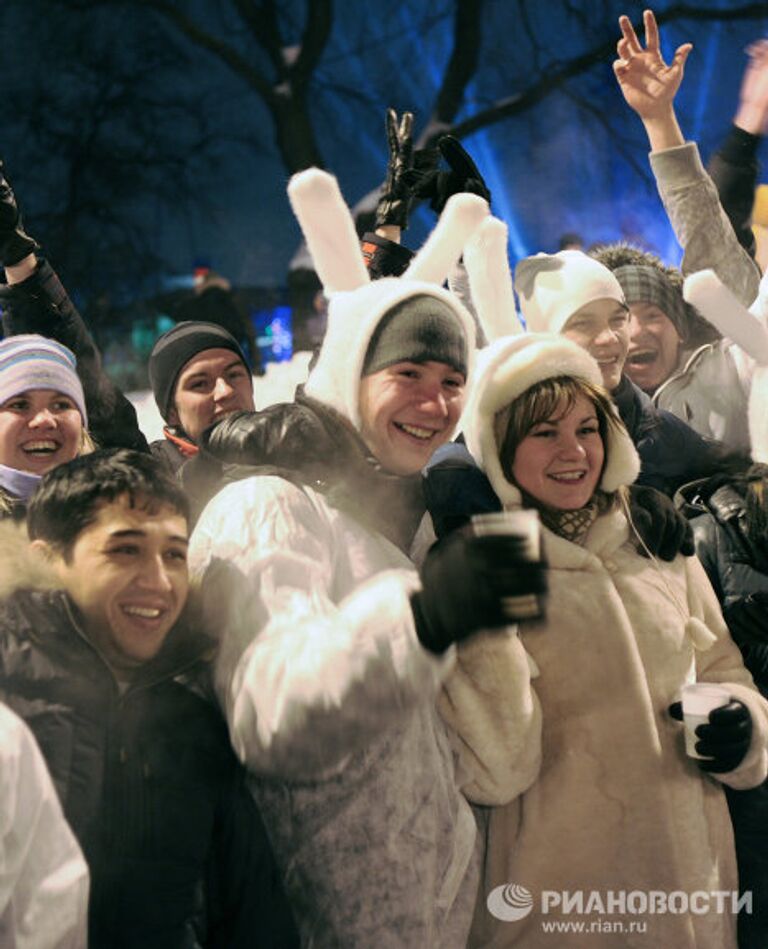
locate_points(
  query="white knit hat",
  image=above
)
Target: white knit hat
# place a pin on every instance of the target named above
(356, 304)
(29, 361)
(508, 368)
(552, 287)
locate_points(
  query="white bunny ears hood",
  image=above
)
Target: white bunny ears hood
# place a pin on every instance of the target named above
(357, 304)
(516, 360)
(508, 368)
(747, 329)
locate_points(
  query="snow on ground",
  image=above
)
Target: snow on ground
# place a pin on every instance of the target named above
(276, 385)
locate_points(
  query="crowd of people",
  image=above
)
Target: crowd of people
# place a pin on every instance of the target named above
(299, 677)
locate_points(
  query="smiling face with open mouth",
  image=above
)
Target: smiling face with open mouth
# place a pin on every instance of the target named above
(602, 328)
(39, 429)
(408, 410)
(560, 460)
(127, 574)
(654, 346)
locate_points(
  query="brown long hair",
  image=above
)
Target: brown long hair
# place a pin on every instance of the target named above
(538, 403)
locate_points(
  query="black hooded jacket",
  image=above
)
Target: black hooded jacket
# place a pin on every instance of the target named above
(311, 445)
(178, 855)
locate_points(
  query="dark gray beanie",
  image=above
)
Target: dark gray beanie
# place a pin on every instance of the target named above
(173, 350)
(419, 329)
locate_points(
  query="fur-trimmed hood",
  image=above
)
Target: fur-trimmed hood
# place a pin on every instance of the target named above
(357, 305)
(22, 568)
(506, 369)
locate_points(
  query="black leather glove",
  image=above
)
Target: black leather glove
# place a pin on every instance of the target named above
(15, 244)
(466, 585)
(395, 200)
(663, 529)
(725, 740)
(438, 186)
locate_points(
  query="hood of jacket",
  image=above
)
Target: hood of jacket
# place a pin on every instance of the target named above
(352, 319)
(508, 368)
(311, 445)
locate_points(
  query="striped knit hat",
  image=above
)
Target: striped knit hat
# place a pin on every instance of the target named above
(29, 361)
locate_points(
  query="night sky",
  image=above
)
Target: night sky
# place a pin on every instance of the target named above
(104, 119)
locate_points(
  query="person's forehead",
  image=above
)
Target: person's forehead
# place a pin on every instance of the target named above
(145, 517)
(643, 308)
(598, 309)
(210, 361)
(431, 365)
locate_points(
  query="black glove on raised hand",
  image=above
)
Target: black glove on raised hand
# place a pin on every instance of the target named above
(395, 200)
(466, 585)
(15, 244)
(725, 740)
(663, 529)
(438, 186)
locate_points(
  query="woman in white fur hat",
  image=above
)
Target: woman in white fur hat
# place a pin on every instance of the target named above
(564, 723)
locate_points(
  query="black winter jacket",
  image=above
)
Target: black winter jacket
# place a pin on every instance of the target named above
(178, 856)
(671, 452)
(737, 568)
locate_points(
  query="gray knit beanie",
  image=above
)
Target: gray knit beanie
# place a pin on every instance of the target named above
(419, 329)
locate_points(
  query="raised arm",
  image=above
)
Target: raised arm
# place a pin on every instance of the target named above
(734, 166)
(34, 301)
(689, 196)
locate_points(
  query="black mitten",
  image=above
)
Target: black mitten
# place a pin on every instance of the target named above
(438, 186)
(15, 244)
(663, 529)
(470, 583)
(395, 200)
(725, 740)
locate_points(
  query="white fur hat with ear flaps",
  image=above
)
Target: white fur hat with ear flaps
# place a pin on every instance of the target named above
(746, 328)
(511, 364)
(357, 304)
(508, 368)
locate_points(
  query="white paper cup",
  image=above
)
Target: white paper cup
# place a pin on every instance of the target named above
(522, 524)
(699, 699)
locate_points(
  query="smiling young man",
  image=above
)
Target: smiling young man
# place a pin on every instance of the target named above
(332, 647)
(575, 295)
(98, 658)
(198, 374)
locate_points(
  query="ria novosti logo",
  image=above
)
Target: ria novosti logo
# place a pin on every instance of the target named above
(510, 902)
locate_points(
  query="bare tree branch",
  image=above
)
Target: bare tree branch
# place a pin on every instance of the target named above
(554, 78)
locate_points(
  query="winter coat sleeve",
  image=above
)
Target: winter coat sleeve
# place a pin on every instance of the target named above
(246, 904)
(43, 876)
(719, 660)
(306, 675)
(494, 717)
(734, 169)
(701, 226)
(40, 304)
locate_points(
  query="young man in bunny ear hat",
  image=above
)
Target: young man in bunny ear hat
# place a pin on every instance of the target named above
(333, 648)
